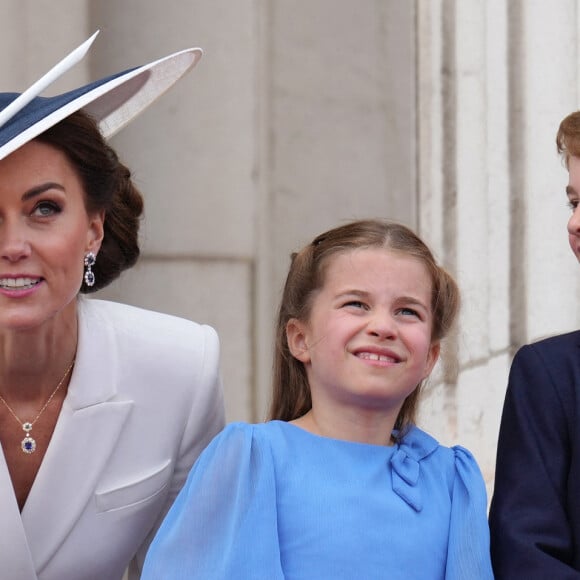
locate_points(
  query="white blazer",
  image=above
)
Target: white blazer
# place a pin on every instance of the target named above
(144, 400)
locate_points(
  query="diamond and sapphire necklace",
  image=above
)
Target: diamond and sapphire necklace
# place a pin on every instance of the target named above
(28, 444)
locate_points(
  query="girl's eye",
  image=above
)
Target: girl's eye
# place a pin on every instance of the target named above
(356, 304)
(46, 209)
(409, 312)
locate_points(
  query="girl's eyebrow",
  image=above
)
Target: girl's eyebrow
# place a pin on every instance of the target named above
(352, 292)
(363, 294)
(40, 189)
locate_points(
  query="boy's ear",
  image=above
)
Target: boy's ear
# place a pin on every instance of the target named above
(296, 335)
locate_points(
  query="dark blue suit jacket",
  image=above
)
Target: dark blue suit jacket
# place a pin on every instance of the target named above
(535, 511)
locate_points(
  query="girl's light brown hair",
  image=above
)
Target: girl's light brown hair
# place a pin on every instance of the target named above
(291, 392)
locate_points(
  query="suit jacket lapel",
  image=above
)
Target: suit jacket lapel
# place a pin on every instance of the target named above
(87, 430)
(15, 558)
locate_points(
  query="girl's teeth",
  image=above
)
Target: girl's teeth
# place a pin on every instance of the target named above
(373, 356)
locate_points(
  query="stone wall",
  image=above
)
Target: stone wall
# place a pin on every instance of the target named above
(438, 113)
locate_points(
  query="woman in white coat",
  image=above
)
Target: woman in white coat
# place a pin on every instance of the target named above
(103, 407)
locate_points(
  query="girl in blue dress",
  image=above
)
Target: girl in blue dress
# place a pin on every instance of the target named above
(340, 484)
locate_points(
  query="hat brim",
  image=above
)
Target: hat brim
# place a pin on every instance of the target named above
(113, 101)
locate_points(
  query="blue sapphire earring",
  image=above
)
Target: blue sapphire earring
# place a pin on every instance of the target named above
(90, 260)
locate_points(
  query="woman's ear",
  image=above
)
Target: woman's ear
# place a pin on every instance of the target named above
(297, 337)
(96, 232)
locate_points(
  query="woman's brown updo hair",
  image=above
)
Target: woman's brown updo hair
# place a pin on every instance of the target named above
(108, 186)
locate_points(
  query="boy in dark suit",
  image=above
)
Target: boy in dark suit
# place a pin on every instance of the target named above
(535, 511)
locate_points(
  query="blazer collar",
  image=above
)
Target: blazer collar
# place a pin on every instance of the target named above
(96, 366)
(16, 560)
(87, 431)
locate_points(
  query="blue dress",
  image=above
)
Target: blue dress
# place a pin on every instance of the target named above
(275, 502)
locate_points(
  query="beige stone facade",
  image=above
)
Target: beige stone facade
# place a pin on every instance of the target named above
(306, 113)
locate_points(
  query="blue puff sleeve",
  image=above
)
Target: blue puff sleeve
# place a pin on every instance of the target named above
(223, 524)
(468, 553)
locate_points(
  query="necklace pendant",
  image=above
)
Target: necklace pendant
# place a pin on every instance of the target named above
(28, 445)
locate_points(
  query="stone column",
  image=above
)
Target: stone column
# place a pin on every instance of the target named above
(337, 110)
(495, 78)
(193, 154)
(35, 36)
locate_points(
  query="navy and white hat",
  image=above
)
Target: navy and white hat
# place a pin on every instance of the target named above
(112, 101)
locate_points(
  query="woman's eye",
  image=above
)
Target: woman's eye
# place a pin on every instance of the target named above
(572, 204)
(46, 209)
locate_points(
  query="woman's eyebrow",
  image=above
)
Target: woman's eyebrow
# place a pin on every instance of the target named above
(39, 189)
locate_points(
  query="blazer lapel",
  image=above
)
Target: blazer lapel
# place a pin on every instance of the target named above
(86, 433)
(15, 558)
